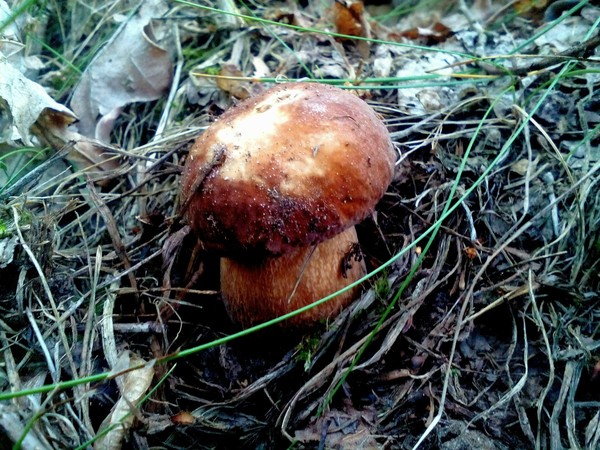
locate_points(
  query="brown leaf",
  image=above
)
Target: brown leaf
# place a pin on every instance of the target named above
(526, 6)
(349, 17)
(434, 34)
(347, 429)
(183, 418)
(226, 82)
(98, 160)
(31, 111)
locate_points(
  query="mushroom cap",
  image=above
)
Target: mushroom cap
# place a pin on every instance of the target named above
(288, 168)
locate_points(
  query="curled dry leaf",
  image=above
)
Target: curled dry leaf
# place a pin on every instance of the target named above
(436, 33)
(26, 110)
(136, 66)
(527, 6)
(13, 429)
(95, 158)
(350, 19)
(12, 49)
(183, 418)
(228, 82)
(133, 387)
(22, 102)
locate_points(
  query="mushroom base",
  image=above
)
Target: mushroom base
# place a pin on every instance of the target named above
(255, 292)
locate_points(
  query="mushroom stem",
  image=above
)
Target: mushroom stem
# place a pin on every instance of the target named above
(255, 292)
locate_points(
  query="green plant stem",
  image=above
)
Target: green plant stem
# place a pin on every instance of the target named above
(505, 148)
(433, 233)
(21, 9)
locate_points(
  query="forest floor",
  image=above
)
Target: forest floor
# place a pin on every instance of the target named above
(479, 325)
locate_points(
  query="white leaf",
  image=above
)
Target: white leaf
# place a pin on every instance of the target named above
(21, 103)
(26, 110)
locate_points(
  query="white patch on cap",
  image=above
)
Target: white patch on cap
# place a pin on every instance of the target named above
(250, 136)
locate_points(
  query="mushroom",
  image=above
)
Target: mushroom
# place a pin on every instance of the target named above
(275, 187)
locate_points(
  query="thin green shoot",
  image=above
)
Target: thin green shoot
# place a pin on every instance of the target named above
(433, 234)
(18, 11)
(503, 151)
(15, 163)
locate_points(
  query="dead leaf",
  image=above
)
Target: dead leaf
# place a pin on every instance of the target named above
(135, 66)
(417, 101)
(350, 19)
(21, 103)
(183, 418)
(26, 110)
(526, 6)
(348, 429)
(235, 87)
(289, 16)
(434, 34)
(7, 250)
(133, 386)
(98, 160)
(12, 49)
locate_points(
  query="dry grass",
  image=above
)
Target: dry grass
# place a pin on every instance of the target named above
(479, 326)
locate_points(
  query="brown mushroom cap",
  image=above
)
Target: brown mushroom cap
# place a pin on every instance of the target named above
(289, 168)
